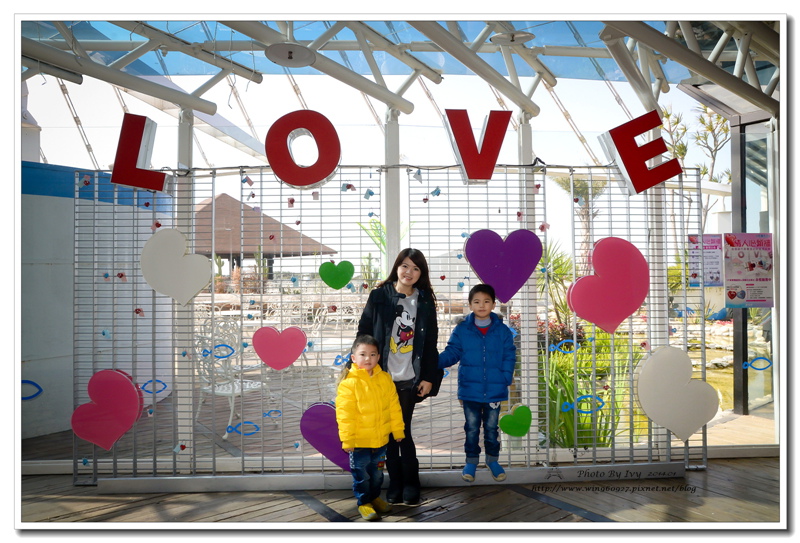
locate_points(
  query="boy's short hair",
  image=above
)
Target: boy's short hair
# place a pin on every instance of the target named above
(482, 287)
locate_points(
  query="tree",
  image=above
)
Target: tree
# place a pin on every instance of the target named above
(711, 136)
(585, 192)
(376, 231)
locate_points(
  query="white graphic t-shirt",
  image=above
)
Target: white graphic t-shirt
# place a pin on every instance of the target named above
(401, 340)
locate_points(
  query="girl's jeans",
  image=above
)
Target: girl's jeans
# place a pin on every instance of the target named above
(367, 477)
(488, 414)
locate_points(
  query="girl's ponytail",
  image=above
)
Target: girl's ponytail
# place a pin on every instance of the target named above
(345, 371)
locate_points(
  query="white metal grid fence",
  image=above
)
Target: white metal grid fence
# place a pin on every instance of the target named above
(174, 353)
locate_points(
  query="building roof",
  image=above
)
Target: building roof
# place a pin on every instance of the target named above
(262, 233)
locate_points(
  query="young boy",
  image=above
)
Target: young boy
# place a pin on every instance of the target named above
(367, 411)
(485, 348)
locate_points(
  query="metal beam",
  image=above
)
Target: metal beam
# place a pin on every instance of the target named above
(37, 51)
(397, 51)
(267, 36)
(36, 66)
(191, 49)
(444, 39)
(619, 51)
(696, 63)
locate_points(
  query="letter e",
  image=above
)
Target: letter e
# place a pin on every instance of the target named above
(633, 157)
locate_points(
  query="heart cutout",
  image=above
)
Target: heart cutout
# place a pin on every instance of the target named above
(277, 349)
(506, 264)
(668, 395)
(319, 427)
(618, 287)
(517, 422)
(336, 276)
(116, 404)
(170, 271)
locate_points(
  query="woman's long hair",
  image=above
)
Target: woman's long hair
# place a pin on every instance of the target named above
(416, 256)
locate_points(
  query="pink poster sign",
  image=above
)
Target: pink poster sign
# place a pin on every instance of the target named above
(748, 270)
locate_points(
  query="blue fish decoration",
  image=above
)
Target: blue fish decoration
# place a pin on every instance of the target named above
(238, 428)
(557, 347)
(566, 406)
(768, 364)
(206, 352)
(153, 382)
(35, 385)
(341, 360)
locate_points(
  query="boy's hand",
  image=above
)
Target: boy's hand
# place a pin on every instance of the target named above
(348, 450)
(399, 440)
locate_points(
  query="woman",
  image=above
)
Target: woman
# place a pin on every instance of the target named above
(401, 314)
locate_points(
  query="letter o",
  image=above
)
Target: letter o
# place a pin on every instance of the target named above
(280, 157)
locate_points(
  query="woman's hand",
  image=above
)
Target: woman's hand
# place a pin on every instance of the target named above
(348, 450)
(424, 388)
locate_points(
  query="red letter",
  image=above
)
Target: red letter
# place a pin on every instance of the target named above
(477, 164)
(133, 154)
(633, 158)
(280, 157)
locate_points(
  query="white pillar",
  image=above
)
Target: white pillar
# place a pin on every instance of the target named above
(184, 322)
(393, 197)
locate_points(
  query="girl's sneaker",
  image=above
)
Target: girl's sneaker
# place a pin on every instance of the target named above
(368, 512)
(498, 473)
(381, 506)
(468, 473)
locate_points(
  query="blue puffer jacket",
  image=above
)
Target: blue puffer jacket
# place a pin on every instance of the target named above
(487, 361)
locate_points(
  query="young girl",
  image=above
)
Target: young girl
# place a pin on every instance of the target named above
(401, 315)
(367, 411)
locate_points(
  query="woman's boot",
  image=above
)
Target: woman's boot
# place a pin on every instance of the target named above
(394, 494)
(411, 486)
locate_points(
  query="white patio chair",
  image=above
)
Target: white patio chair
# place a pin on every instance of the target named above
(218, 362)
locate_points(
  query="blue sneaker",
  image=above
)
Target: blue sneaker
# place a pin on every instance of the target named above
(468, 473)
(498, 473)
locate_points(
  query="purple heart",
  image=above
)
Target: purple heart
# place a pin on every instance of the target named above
(319, 428)
(504, 264)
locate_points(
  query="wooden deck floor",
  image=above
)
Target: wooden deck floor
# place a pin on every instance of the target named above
(740, 491)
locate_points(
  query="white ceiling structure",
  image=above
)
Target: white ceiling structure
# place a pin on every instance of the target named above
(734, 65)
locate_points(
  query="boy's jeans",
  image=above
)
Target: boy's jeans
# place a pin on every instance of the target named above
(367, 478)
(476, 413)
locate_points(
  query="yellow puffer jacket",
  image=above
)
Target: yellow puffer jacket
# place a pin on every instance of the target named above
(367, 409)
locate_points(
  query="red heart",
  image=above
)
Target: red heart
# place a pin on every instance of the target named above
(731, 294)
(618, 287)
(117, 403)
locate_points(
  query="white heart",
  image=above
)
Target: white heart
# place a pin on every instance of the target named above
(670, 397)
(169, 270)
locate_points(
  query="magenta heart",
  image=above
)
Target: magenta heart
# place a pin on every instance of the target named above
(277, 349)
(318, 426)
(504, 264)
(116, 405)
(618, 287)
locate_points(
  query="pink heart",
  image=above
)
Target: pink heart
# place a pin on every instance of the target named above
(116, 405)
(278, 349)
(618, 287)
(319, 427)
